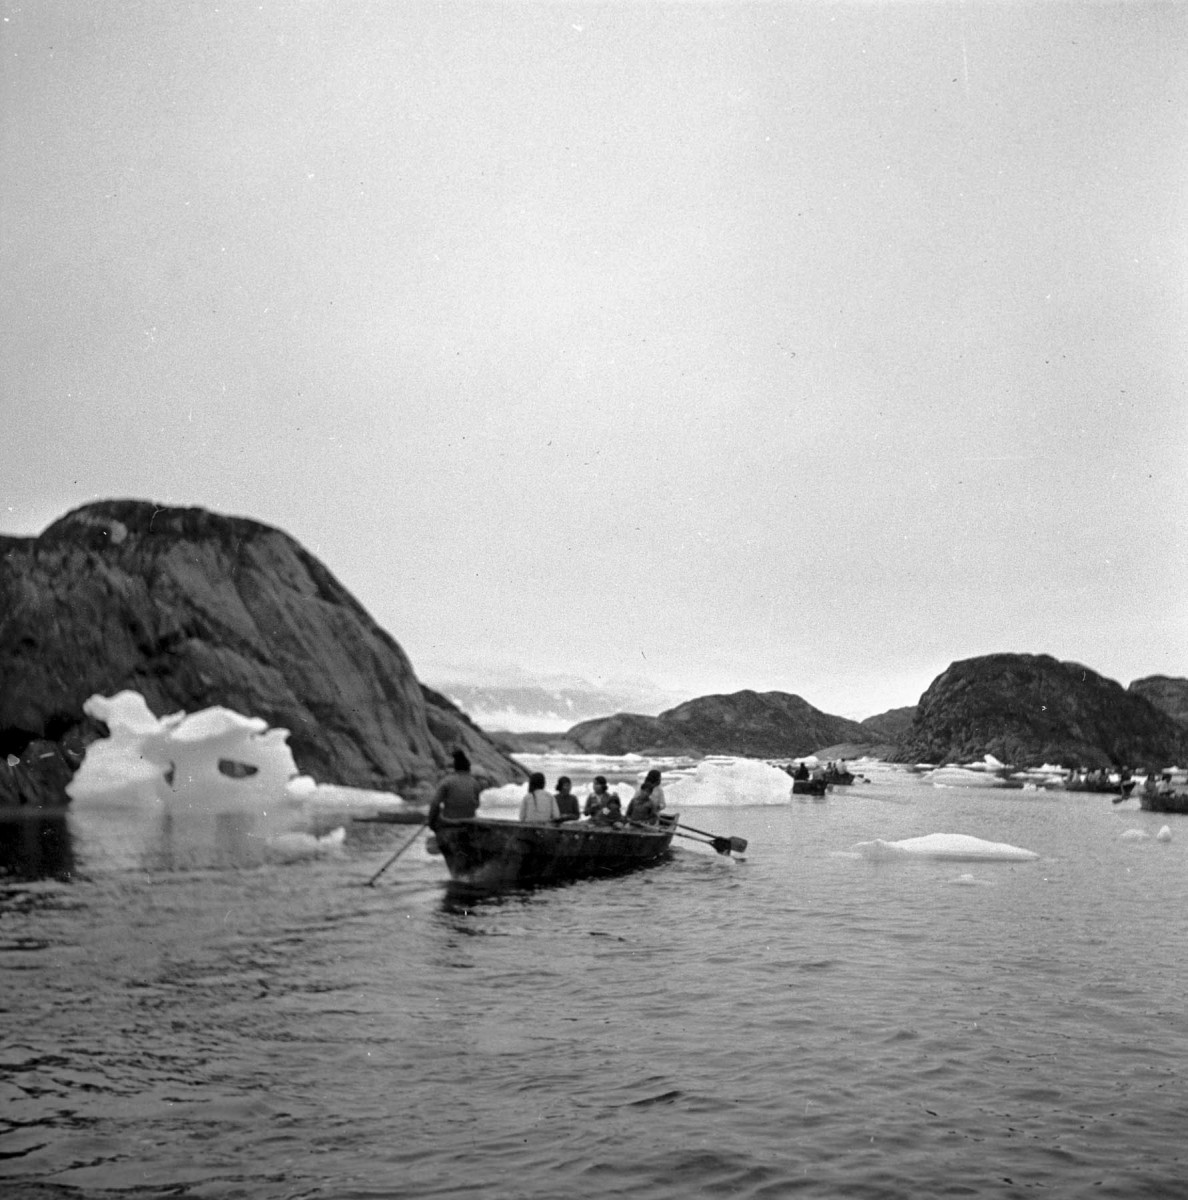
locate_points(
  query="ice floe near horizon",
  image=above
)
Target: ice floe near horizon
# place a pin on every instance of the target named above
(953, 847)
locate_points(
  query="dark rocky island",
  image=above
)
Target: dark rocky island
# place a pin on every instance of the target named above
(1168, 694)
(1028, 709)
(751, 724)
(193, 609)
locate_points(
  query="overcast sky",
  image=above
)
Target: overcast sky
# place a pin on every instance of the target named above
(801, 346)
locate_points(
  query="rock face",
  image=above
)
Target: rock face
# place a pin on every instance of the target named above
(193, 609)
(1168, 694)
(751, 724)
(891, 725)
(1028, 709)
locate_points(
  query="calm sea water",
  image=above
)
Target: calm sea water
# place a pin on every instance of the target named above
(804, 1023)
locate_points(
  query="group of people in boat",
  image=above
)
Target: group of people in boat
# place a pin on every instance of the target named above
(830, 772)
(457, 798)
(603, 807)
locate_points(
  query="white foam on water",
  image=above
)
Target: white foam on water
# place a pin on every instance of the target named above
(955, 847)
(1133, 835)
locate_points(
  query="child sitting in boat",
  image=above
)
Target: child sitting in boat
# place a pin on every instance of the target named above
(644, 808)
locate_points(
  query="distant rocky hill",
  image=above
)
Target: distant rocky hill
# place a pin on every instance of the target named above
(194, 609)
(747, 723)
(891, 725)
(1168, 694)
(1027, 709)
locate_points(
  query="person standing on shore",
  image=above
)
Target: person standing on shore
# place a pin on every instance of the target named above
(457, 796)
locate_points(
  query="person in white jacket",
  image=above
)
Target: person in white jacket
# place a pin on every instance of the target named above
(539, 805)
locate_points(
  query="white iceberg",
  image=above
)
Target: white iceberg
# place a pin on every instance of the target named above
(954, 847)
(211, 787)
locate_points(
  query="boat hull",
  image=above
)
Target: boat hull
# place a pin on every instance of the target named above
(495, 854)
(1173, 802)
(809, 787)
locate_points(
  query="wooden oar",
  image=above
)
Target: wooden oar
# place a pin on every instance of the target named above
(416, 834)
(722, 845)
(737, 844)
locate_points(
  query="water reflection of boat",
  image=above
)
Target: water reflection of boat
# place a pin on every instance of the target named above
(491, 854)
(35, 844)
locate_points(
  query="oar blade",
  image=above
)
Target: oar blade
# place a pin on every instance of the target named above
(738, 845)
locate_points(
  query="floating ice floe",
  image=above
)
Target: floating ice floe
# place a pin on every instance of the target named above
(209, 788)
(954, 776)
(970, 881)
(955, 847)
(1133, 835)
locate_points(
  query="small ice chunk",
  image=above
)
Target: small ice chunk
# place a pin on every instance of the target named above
(956, 847)
(1133, 835)
(1164, 835)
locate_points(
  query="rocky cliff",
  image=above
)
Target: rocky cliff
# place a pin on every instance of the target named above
(194, 609)
(891, 725)
(1167, 694)
(752, 724)
(1028, 709)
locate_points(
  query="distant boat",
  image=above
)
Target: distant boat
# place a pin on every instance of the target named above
(487, 854)
(1101, 786)
(1165, 802)
(809, 787)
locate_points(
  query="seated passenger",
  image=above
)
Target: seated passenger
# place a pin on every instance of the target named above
(539, 805)
(567, 802)
(643, 809)
(652, 778)
(801, 771)
(598, 796)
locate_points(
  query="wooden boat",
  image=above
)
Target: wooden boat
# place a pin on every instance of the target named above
(809, 787)
(482, 853)
(845, 778)
(1165, 802)
(1101, 786)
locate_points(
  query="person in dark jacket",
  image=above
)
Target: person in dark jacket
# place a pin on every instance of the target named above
(457, 796)
(567, 802)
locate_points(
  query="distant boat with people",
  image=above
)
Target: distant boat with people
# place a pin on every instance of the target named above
(1165, 792)
(1099, 782)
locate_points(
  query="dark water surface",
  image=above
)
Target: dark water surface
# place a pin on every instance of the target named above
(806, 1023)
